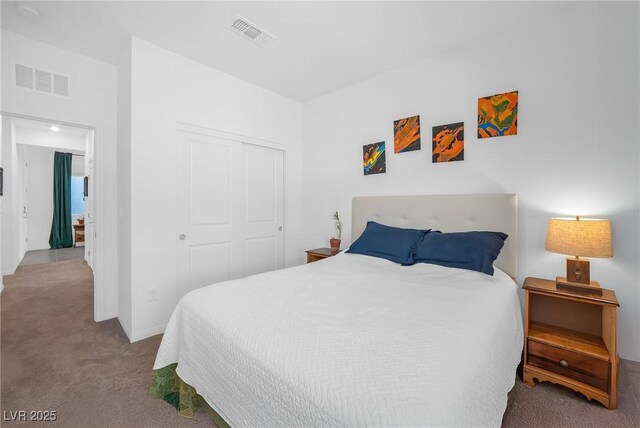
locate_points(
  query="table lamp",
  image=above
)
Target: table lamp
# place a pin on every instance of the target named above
(579, 238)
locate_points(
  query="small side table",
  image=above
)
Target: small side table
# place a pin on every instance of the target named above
(570, 340)
(78, 233)
(319, 254)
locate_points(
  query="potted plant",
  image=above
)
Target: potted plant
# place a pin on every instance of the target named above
(335, 242)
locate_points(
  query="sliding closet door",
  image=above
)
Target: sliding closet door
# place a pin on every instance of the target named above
(229, 210)
(263, 228)
(208, 208)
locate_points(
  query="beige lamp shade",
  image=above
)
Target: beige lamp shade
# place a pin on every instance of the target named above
(587, 237)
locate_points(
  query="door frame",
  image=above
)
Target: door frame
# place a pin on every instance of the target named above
(99, 253)
(24, 210)
(244, 139)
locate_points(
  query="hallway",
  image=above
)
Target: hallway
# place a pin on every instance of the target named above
(54, 255)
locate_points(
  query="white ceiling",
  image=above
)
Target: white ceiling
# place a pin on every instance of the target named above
(39, 134)
(42, 126)
(321, 46)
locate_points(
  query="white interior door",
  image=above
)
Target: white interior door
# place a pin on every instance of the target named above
(263, 217)
(230, 210)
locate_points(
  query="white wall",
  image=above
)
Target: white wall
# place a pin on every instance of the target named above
(165, 89)
(77, 165)
(576, 151)
(92, 102)
(124, 190)
(40, 196)
(13, 237)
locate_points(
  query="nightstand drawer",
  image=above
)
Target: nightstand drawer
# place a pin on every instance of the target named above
(583, 368)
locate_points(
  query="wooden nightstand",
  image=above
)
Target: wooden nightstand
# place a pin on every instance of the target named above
(570, 339)
(319, 254)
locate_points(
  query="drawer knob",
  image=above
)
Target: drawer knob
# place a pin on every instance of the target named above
(564, 363)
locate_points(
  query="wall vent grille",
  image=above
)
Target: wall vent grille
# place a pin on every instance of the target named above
(250, 31)
(41, 80)
(61, 85)
(24, 76)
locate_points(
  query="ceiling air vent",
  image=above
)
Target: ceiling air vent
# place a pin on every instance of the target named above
(245, 28)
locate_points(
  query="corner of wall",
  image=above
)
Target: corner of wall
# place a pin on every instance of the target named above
(145, 334)
(124, 189)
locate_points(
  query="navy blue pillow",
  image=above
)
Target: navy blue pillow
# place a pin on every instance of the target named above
(387, 242)
(465, 250)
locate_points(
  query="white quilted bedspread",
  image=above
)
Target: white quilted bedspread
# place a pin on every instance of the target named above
(351, 341)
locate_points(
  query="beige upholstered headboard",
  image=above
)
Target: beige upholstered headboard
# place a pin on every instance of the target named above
(447, 213)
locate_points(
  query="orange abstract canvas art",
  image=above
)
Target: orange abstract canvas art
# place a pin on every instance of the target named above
(448, 143)
(498, 115)
(406, 134)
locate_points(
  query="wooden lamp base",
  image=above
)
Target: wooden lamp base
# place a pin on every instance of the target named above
(578, 277)
(578, 270)
(592, 288)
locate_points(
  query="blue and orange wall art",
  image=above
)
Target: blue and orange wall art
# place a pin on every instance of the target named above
(406, 134)
(448, 143)
(498, 115)
(373, 159)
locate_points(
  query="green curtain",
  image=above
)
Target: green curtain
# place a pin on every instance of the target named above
(61, 232)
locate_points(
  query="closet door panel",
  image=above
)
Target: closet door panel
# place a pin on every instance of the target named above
(229, 210)
(263, 227)
(207, 211)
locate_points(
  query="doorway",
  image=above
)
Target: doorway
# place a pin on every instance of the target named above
(28, 151)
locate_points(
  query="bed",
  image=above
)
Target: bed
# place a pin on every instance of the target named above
(354, 340)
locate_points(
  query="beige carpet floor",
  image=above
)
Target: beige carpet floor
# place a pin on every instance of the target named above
(55, 357)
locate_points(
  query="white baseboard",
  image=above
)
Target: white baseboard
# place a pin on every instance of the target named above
(10, 271)
(144, 334)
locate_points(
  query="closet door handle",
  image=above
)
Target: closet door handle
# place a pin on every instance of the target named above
(182, 237)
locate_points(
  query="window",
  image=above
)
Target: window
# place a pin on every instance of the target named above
(77, 195)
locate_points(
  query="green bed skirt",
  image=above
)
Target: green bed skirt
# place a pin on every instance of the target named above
(168, 386)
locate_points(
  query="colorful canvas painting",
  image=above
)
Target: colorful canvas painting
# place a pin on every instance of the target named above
(406, 134)
(498, 115)
(373, 159)
(448, 143)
